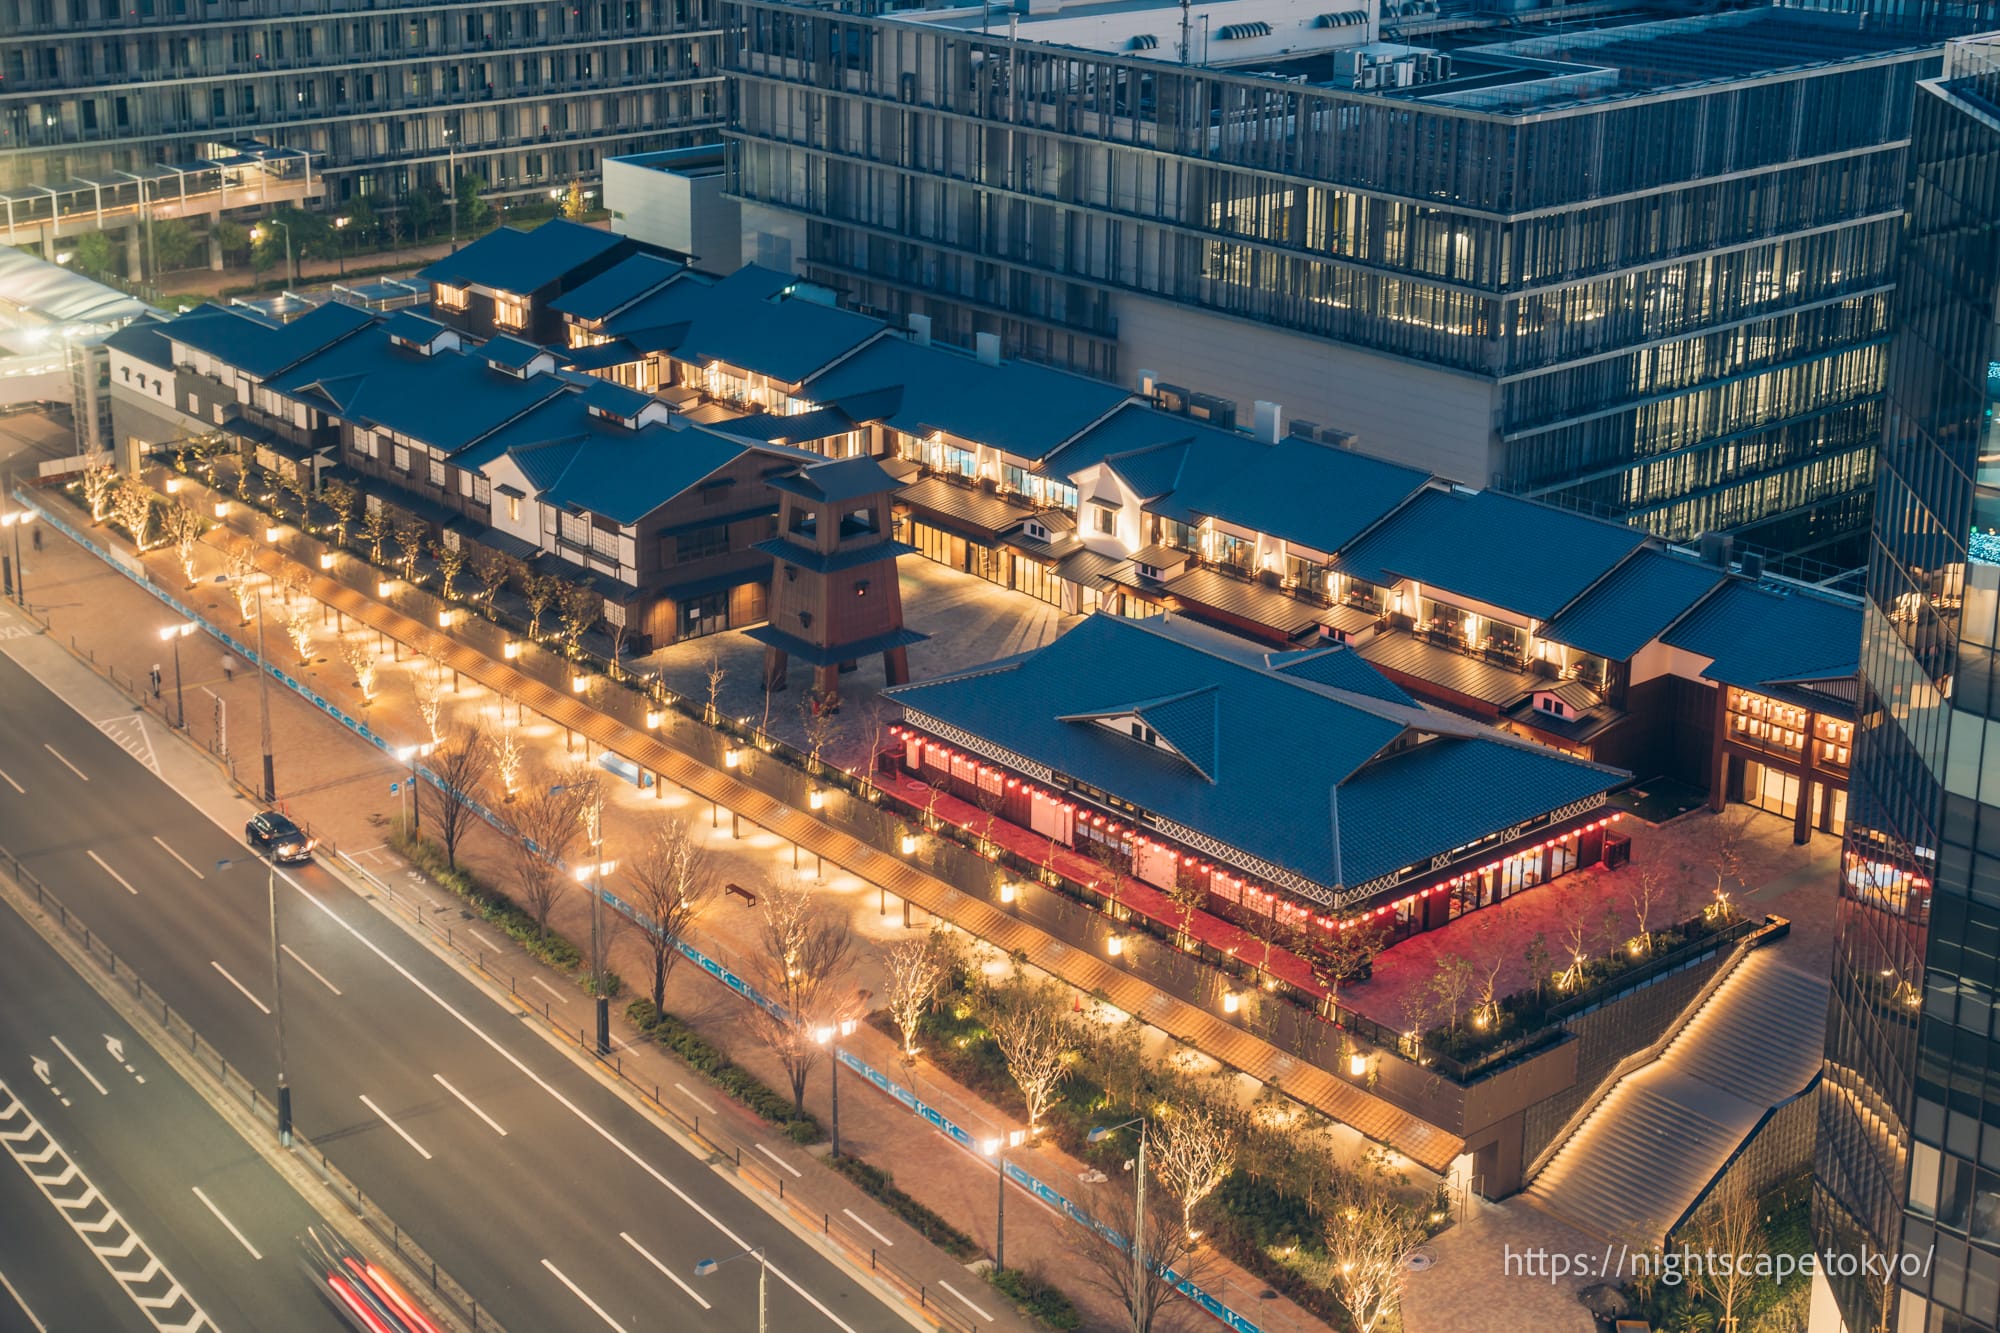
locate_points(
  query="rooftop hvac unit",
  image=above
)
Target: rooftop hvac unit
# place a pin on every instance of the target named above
(1305, 430)
(1171, 397)
(1217, 412)
(1338, 438)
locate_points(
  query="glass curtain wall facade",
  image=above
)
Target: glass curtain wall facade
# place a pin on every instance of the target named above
(1909, 1145)
(1681, 311)
(530, 93)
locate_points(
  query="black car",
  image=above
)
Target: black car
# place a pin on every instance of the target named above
(274, 833)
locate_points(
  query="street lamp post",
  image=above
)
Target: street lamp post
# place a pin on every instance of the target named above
(340, 241)
(18, 519)
(264, 704)
(996, 1148)
(409, 754)
(707, 1267)
(592, 877)
(451, 182)
(277, 996)
(825, 1036)
(291, 269)
(176, 633)
(1138, 1215)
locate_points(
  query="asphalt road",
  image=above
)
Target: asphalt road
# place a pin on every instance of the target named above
(558, 1205)
(146, 1142)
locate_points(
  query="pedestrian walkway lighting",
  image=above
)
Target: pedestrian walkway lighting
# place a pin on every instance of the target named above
(222, 509)
(271, 533)
(909, 844)
(326, 560)
(1007, 892)
(1115, 945)
(511, 649)
(732, 756)
(579, 682)
(382, 587)
(1357, 1065)
(173, 485)
(816, 798)
(1231, 1001)
(654, 716)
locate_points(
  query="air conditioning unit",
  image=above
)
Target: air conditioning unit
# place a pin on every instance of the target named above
(1305, 430)
(1217, 412)
(1171, 398)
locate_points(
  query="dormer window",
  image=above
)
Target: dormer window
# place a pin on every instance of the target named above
(1038, 532)
(605, 414)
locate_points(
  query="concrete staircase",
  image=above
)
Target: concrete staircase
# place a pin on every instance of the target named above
(1663, 1132)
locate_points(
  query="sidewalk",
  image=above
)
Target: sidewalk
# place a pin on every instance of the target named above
(339, 785)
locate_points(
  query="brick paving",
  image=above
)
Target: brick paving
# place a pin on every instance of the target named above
(340, 786)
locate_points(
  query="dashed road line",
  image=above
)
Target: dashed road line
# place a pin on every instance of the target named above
(578, 1292)
(968, 1301)
(70, 1055)
(19, 788)
(862, 1222)
(136, 1269)
(401, 1133)
(310, 969)
(669, 1273)
(241, 1239)
(122, 881)
(65, 763)
(682, 1089)
(239, 986)
(779, 1160)
(466, 1102)
(178, 857)
(550, 989)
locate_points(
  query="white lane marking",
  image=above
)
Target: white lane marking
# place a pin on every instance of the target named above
(114, 874)
(968, 1301)
(466, 1101)
(631, 1156)
(116, 1049)
(670, 1274)
(577, 1292)
(483, 940)
(779, 1160)
(550, 989)
(102, 1091)
(40, 1327)
(682, 1088)
(240, 1238)
(239, 985)
(862, 1222)
(24, 791)
(178, 857)
(309, 968)
(96, 1223)
(65, 763)
(401, 1132)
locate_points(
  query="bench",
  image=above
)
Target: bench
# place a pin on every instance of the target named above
(741, 892)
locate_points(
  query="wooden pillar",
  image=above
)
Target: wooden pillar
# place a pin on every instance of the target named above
(1718, 766)
(896, 666)
(775, 660)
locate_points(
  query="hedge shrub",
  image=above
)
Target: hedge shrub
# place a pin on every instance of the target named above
(714, 1064)
(881, 1186)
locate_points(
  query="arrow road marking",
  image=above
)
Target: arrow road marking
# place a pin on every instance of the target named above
(670, 1274)
(102, 1091)
(42, 1071)
(111, 1240)
(116, 1049)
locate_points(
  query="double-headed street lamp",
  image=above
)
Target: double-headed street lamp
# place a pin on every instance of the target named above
(1098, 1135)
(277, 993)
(175, 633)
(825, 1037)
(18, 519)
(707, 1267)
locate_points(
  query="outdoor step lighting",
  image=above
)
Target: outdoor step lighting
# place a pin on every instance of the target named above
(1357, 1065)
(271, 532)
(731, 757)
(654, 716)
(816, 798)
(1007, 892)
(326, 560)
(1115, 945)
(511, 649)
(1231, 1001)
(579, 682)
(382, 587)
(222, 509)
(909, 844)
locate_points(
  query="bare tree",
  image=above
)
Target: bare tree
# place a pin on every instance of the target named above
(460, 763)
(1111, 877)
(427, 684)
(716, 673)
(375, 530)
(361, 658)
(1189, 893)
(1645, 889)
(1369, 1236)
(819, 721)
(916, 966)
(296, 481)
(299, 626)
(508, 753)
(98, 479)
(579, 606)
(1731, 1223)
(540, 592)
(1194, 1150)
(131, 502)
(548, 819)
(239, 563)
(490, 569)
(1576, 936)
(409, 535)
(1728, 835)
(803, 970)
(1032, 1029)
(1489, 960)
(1451, 978)
(450, 558)
(1148, 1298)
(675, 883)
(183, 528)
(341, 500)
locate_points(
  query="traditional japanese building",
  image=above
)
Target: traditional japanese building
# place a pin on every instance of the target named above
(1304, 786)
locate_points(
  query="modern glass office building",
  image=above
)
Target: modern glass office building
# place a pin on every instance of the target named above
(1909, 1148)
(1639, 265)
(527, 93)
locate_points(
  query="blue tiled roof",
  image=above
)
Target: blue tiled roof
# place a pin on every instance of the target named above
(1634, 605)
(146, 339)
(412, 327)
(1278, 755)
(1767, 637)
(1026, 410)
(1312, 494)
(834, 480)
(511, 260)
(619, 401)
(1524, 557)
(260, 349)
(511, 352)
(623, 474)
(748, 320)
(1340, 668)
(626, 281)
(448, 400)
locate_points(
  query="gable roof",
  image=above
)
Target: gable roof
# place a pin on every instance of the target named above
(1634, 605)
(1331, 783)
(260, 348)
(623, 475)
(1524, 557)
(146, 339)
(1342, 668)
(1777, 639)
(509, 259)
(751, 319)
(629, 280)
(831, 481)
(1024, 409)
(506, 350)
(1313, 494)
